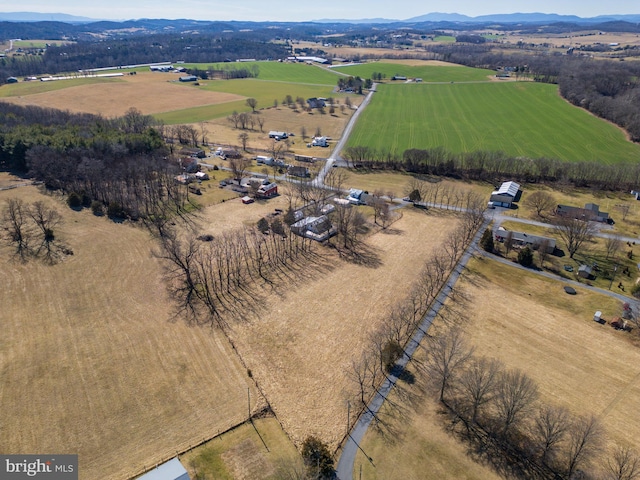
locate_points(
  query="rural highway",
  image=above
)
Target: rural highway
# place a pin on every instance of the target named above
(346, 462)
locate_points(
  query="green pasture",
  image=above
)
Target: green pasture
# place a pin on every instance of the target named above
(38, 43)
(280, 71)
(428, 73)
(444, 39)
(519, 118)
(263, 91)
(36, 86)
(203, 113)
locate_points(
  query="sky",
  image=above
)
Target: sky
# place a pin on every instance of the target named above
(295, 11)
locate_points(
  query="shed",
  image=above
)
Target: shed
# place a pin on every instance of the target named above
(188, 78)
(585, 271)
(597, 317)
(246, 200)
(171, 470)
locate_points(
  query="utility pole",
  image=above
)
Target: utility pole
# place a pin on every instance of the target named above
(249, 403)
(348, 415)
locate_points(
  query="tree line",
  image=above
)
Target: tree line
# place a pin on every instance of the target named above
(495, 166)
(214, 278)
(120, 165)
(386, 345)
(139, 50)
(497, 410)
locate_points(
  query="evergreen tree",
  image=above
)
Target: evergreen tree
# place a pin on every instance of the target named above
(486, 242)
(525, 257)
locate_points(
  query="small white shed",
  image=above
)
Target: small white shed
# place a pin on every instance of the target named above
(597, 317)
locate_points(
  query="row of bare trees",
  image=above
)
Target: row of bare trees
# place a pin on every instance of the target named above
(497, 409)
(495, 166)
(30, 229)
(443, 194)
(212, 276)
(246, 120)
(386, 345)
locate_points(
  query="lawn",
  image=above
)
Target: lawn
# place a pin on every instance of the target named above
(428, 72)
(519, 118)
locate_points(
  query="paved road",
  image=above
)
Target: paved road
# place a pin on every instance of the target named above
(574, 283)
(500, 215)
(344, 470)
(335, 154)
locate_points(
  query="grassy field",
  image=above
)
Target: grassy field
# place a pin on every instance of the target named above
(282, 71)
(93, 362)
(518, 118)
(578, 363)
(150, 92)
(265, 92)
(35, 87)
(444, 39)
(428, 72)
(300, 348)
(252, 451)
(529, 323)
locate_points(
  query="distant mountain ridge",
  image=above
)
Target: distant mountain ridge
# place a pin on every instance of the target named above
(43, 17)
(534, 17)
(434, 17)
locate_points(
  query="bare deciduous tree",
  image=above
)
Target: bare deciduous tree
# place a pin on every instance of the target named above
(243, 138)
(335, 179)
(239, 167)
(46, 220)
(574, 233)
(543, 251)
(252, 103)
(515, 395)
(583, 439)
(417, 190)
(622, 464)
(376, 201)
(478, 383)
(624, 210)
(15, 222)
(612, 243)
(447, 352)
(549, 429)
(540, 202)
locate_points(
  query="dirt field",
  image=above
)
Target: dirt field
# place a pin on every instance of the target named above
(300, 348)
(91, 362)
(149, 92)
(530, 324)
